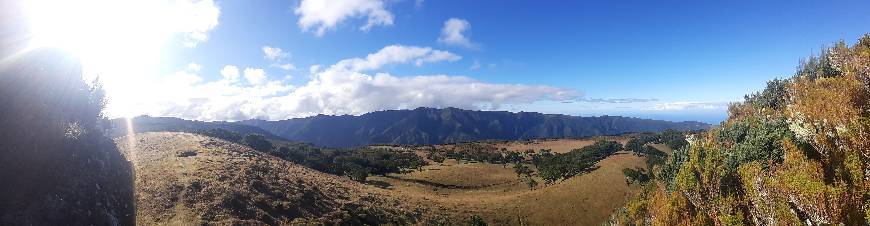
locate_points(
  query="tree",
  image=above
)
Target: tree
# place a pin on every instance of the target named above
(356, 172)
(522, 170)
(531, 182)
(258, 142)
(224, 134)
(57, 162)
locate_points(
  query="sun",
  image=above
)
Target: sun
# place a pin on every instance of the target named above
(106, 35)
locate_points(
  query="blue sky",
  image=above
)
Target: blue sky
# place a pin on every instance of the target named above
(674, 60)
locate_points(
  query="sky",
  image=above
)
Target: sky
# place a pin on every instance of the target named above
(236, 60)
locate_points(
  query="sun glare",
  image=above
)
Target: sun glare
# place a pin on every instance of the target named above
(105, 34)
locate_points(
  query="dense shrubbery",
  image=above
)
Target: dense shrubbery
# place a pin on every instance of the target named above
(797, 152)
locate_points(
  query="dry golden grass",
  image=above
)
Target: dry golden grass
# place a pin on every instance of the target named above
(496, 193)
(190, 179)
(557, 145)
(187, 179)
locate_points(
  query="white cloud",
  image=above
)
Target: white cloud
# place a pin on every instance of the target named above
(230, 73)
(345, 92)
(453, 33)
(618, 100)
(286, 67)
(323, 15)
(274, 53)
(475, 65)
(396, 54)
(342, 88)
(255, 76)
(194, 67)
(188, 76)
(194, 18)
(688, 105)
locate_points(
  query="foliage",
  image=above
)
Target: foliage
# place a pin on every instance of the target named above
(57, 163)
(356, 163)
(773, 96)
(635, 175)
(553, 167)
(797, 152)
(258, 142)
(224, 134)
(476, 221)
(671, 138)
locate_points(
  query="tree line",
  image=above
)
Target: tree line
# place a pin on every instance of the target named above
(356, 163)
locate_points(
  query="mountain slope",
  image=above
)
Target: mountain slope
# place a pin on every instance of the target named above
(184, 178)
(168, 124)
(435, 126)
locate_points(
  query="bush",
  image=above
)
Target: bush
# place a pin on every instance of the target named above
(476, 221)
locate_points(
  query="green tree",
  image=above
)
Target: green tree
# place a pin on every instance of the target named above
(258, 142)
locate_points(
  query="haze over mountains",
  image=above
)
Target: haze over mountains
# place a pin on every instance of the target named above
(420, 126)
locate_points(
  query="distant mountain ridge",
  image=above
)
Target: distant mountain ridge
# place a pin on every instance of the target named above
(169, 124)
(436, 126)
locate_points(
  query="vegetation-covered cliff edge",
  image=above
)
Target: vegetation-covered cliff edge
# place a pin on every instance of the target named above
(797, 152)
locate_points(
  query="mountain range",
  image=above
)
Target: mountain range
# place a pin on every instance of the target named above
(420, 126)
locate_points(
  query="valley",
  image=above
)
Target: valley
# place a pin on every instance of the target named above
(184, 177)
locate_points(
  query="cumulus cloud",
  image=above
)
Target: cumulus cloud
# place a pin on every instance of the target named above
(194, 18)
(396, 54)
(255, 76)
(688, 105)
(322, 15)
(277, 56)
(345, 87)
(230, 73)
(274, 53)
(453, 33)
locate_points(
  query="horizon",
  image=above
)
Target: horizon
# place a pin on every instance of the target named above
(478, 110)
(230, 61)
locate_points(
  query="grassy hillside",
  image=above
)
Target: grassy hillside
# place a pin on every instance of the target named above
(450, 125)
(143, 124)
(797, 152)
(186, 178)
(500, 197)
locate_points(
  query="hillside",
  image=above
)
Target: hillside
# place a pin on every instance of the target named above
(795, 153)
(500, 197)
(436, 126)
(143, 124)
(184, 178)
